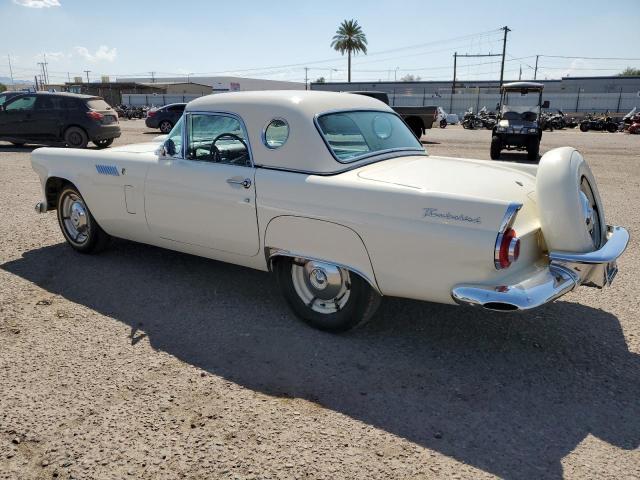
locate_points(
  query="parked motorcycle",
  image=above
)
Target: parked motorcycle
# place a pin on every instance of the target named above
(634, 126)
(471, 121)
(627, 120)
(599, 123)
(489, 119)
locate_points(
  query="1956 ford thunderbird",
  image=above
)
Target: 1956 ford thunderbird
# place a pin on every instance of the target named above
(335, 194)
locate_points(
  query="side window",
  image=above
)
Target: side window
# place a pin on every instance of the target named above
(176, 137)
(176, 108)
(217, 139)
(48, 103)
(21, 104)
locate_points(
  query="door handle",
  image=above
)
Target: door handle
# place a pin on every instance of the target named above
(246, 183)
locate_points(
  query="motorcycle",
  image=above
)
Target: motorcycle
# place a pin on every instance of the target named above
(634, 126)
(627, 120)
(599, 123)
(489, 119)
(471, 121)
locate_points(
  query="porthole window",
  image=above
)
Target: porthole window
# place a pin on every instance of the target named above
(276, 133)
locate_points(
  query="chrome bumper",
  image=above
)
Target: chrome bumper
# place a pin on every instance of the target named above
(564, 272)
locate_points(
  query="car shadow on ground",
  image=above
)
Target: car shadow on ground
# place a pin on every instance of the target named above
(517, 157)
(509, 394)
(7, 147)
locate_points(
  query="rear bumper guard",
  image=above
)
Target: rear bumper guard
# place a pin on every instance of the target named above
(565, 271)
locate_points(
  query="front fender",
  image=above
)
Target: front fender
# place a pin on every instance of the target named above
(293, 236)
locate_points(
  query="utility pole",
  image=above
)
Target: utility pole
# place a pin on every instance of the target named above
(504, 53)
(306, 78)
(43, 78)
(13, 84)
(68, 77)
(87, 72)
(46, 69)
(153, 77)
(535, 70)
(453, 84)
(520, 75)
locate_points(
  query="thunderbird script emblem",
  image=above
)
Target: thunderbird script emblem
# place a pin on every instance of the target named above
(434, 212)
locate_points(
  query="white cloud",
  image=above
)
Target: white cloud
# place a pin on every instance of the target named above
(103, 53)
(37, 3)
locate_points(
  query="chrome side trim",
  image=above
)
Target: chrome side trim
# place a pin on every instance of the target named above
(271, 253)
(506, 223)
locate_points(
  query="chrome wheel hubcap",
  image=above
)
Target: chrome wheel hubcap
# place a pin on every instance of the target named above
(75, 218)
(323, 287)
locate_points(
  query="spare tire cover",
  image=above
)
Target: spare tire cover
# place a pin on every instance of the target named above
(571, 214)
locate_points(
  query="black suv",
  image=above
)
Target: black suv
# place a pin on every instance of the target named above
(165, 117)
(58, 119)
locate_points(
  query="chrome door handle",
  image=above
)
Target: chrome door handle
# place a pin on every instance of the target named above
(246, 183)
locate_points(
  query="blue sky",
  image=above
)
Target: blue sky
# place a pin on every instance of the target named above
(135, 37)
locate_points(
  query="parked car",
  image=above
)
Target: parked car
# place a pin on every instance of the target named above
(63, 119)
(334, 194)
(165, 117)
(418, 119)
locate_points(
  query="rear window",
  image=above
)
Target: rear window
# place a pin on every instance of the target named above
(354, 135)
(98, 104)
(176, 108)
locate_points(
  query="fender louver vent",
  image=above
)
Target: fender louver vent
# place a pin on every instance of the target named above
(107, 170)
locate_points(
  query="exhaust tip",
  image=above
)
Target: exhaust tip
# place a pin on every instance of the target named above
(500, 307)
(41, 207)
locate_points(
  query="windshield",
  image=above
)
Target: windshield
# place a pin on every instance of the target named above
(521, 104)
(353, 135)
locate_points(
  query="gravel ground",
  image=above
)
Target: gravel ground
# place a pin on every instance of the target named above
(145, 363)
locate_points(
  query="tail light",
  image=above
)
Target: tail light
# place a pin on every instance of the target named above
(93, 115)
(151, 113)
(507, 248)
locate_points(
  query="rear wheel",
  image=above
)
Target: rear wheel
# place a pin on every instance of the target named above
(103, 143)
(165, 126)
(75, 137)
(326, 296)
(496, 147)
(533, 150)
(612, 128)
(78, 226)
(584, 127)
(443, 123)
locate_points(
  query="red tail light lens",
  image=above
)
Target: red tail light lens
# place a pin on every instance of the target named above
(509, 248)
(151, 113)
(95, 115)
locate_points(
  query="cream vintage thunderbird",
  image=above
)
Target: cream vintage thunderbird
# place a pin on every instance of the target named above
(335, 195)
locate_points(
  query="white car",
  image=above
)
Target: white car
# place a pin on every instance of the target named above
(334, 194)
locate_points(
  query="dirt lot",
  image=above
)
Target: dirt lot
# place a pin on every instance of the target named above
(145, 363)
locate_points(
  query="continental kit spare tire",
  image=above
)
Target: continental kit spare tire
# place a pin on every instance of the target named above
(571, 214)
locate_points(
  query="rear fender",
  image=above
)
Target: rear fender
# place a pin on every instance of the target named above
(291, 236)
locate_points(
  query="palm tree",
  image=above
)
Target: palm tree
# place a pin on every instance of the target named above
(349, 38)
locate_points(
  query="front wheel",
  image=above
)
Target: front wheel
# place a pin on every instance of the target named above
(612, 128)
(326, 296)
(496, 147)
(584, 127)
(533, 150)
(443, 123)
(78, 226)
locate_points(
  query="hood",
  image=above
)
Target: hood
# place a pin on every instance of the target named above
(148, 147)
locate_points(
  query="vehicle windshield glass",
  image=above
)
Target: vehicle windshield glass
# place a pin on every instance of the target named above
(521, 104)
(353, 135)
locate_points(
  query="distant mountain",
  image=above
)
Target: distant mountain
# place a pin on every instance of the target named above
(17, 81)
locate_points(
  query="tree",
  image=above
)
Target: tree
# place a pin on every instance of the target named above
(351, 39)
(3, 87)
(321, 80)
(410, 78)
(630, 72)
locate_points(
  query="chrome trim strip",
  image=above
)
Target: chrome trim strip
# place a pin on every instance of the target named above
(366, 155)
(506, 223)
(271, 253)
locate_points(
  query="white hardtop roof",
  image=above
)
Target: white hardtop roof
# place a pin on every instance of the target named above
(305, 149)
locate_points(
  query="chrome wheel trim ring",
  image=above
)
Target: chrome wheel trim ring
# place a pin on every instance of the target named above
(75, 218)
(590, 212)
(325, 288)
